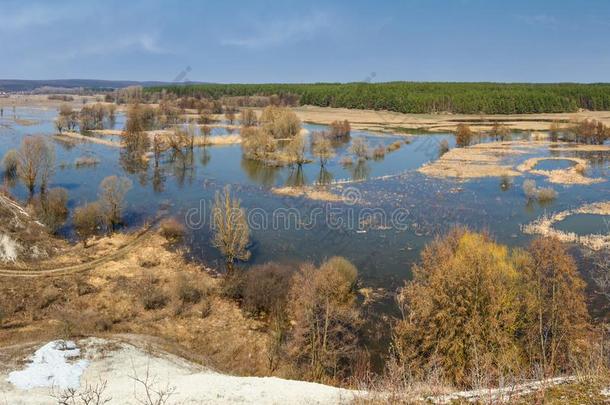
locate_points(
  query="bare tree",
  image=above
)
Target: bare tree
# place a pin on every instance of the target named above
(231, 230)
(36, 158)
(90, 394)
(360, 148)
(112, 196)
(322, 148)
(153, 394)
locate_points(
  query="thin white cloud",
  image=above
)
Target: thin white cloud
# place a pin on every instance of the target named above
(30, 16)
(539, 19)
(276, 33)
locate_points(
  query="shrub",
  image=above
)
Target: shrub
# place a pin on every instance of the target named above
(394, 146)
(346, 161)
(463, 135)
(256, 144)
(443, 147)
(265, 289)
(86, 161)
(248, 118)
(340, 129)
(546, 194)
(152, 295)
(379, 152)
(88, 221)
(10, 161)
(51, 208)
(325, 320)
(187, 290)
(280, 123)
(171, 229)
(360, 148)
(532, 192)
(530, 189)
(556, 325)
(322, 148)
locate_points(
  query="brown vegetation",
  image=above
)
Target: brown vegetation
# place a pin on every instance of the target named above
(36, 159)
(463, 135)
(231, 230)
(481, 314)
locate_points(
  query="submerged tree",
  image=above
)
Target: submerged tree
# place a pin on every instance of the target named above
(322, 148)
(51, 208)
(88, 221)
(36, 159)
(231, 230)
(112, 195)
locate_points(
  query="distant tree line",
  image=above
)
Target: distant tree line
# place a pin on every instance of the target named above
(410, 97)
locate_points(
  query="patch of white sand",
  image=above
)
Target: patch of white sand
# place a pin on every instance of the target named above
(188, 382)
(8, 249)
(50, 366)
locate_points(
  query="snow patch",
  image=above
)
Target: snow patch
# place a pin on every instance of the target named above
(49, 367)
(8, 249)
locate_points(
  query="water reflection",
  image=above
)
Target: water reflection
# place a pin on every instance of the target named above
(259, 172)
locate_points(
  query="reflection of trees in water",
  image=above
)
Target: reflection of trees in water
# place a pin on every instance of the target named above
(66, 144)
(158, 180)
(182, 165)
(324, 177)
(296, 178)
(259, 172)
(132, 161)
(361, 170)
(205, 156)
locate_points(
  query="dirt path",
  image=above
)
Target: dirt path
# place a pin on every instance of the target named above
(81, 267)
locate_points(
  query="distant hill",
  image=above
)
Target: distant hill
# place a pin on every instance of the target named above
(90, 84)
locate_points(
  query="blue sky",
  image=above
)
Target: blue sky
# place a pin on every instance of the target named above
(306, 41)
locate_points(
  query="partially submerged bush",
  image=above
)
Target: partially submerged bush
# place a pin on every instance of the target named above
(360, 148)
(542, 194)
(463, 135)
(379, 152)
(171, 229)
(280, 123)
(340, 129)
(88, 221)
(86, 161)
(394, 146)
(10, 161)
(443, 147)
(51, 207)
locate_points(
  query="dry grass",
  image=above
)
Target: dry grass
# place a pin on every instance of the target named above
(544, 226)
(125, 296)
(312, 193)
(573, 175)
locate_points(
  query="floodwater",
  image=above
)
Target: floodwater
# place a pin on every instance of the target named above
(554, 164)
(389, 212)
